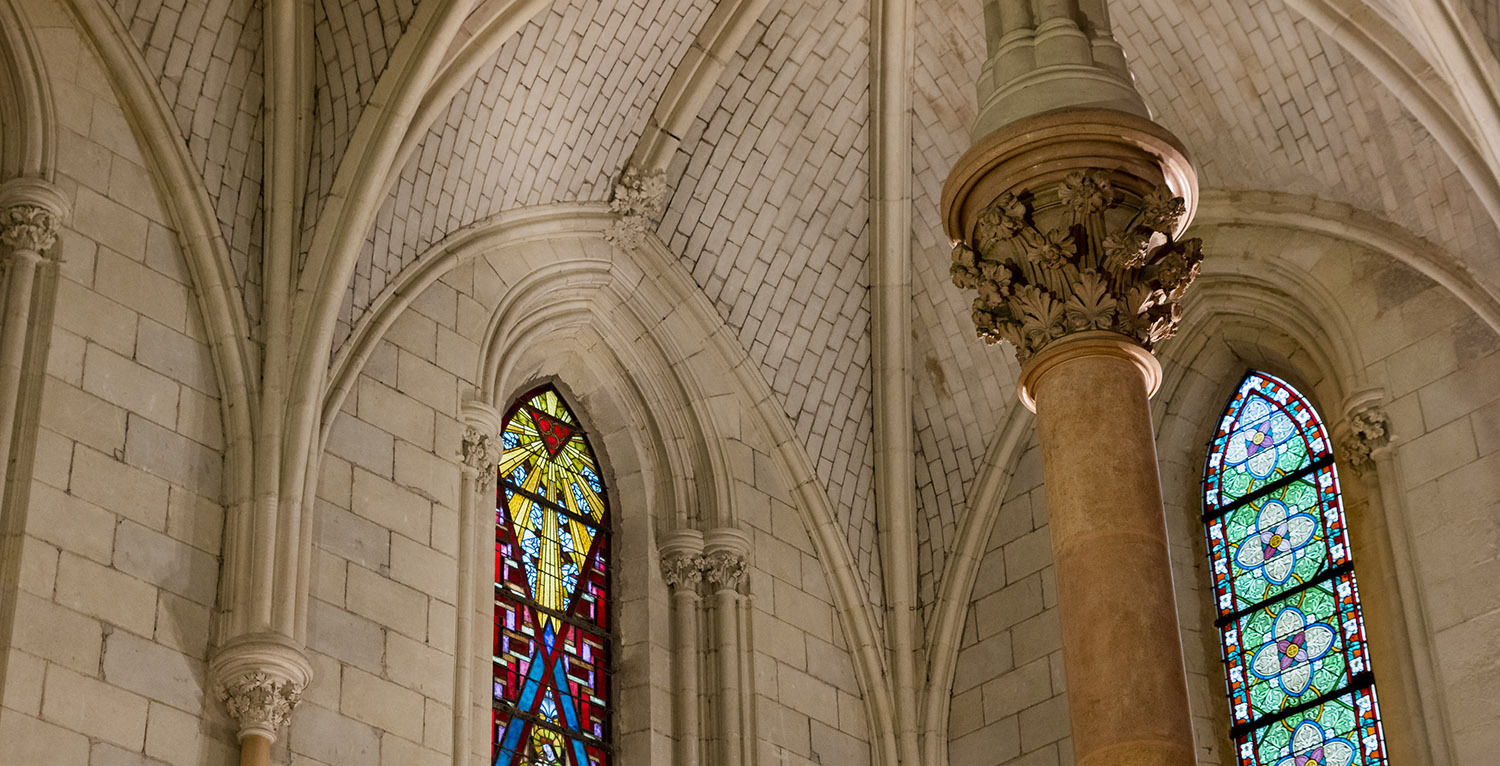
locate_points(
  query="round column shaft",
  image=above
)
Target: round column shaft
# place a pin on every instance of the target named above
(1127, 685)
(255, 750)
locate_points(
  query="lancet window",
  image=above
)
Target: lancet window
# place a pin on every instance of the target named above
(552, 618)
(1301, 690)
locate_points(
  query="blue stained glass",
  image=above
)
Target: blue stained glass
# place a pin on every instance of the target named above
(583, 503)
(551, 648)
(1296, 659)
(593, 479)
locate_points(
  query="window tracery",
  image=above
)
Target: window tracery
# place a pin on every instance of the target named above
(1301, 690)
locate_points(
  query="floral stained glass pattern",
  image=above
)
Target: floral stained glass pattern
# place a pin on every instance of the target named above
(551, 639)
(1301, 691)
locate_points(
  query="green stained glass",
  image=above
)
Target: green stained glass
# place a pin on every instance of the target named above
(1291, 651)
(1296, 662)
(1280, 539)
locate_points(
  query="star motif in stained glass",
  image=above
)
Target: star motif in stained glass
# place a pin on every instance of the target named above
(555, 434)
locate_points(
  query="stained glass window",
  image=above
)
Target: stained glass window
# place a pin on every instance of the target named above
(552, 621)
(1301, 691)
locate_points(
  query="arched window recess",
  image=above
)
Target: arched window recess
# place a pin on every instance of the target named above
(1300, 685)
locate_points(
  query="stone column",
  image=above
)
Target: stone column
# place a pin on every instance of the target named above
(1066, 217)
(1127, 685)
(1366, 447)
(480, 454)
(725, 568)
(32, 212)
(260, 679)
(682, 566)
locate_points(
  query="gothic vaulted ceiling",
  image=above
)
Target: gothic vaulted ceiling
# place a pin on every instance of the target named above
(769, 208)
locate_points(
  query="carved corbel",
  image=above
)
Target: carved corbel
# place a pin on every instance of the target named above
(639, 202)
(1367, 430)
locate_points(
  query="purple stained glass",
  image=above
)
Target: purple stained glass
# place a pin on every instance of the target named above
(551, 641)
(1301, 690)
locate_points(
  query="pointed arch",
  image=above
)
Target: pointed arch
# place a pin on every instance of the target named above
(28, 133)
(1300, 682)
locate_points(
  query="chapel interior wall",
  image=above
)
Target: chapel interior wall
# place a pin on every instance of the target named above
(120, 558)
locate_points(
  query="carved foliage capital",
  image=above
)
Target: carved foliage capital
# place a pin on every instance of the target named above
(259, 702)
(1368, 429)
(1097, 260)
(725, 569)
(682, 570)
(28, 227)
(639, 202)
(481, 453)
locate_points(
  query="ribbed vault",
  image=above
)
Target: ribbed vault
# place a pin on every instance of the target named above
(769, 205)
(770, 212)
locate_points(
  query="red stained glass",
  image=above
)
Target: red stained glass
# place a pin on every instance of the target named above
(1295, 658)
(551, 638)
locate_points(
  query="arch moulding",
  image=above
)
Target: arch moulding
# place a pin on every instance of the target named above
(677, 361)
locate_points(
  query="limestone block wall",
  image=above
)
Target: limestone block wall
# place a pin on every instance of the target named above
(809, 704)
(122, 539)
(1009, 697)
(1438, 365)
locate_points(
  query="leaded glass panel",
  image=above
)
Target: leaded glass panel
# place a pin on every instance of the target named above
(1296, 661)
(551, 640)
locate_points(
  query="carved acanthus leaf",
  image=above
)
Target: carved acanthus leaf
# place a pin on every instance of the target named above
(1369, 429)
(683, 569)
(259, 702)
(724, 569)
(639, 201)
(481, 452)
(28, 227)
(1035, 283)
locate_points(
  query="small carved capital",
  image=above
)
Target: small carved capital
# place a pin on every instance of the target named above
(481, 453)
(32, 211)
(1368, 429)
(724, 569)
(639, 201)
(1096, 259)
(30, 228)
(260, 703)
(682, 570)
(260, 677)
